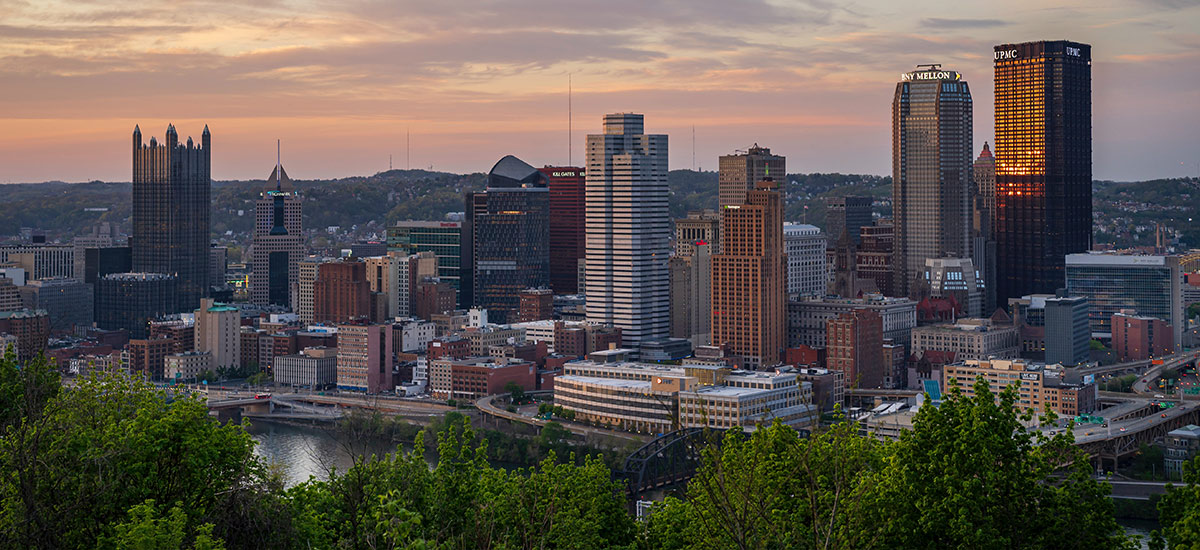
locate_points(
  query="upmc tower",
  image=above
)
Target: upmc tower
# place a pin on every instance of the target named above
(1043, 163)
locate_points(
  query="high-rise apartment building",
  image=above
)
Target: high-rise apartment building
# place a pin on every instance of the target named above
(931, 171)
(698, 226)
(278, 244)
(628, 229)
(849, 214)
(568, 186)
(691, 294)
(443, 239)
(341, 292)
(1043, 153)
(218, 333)
(738, 173)
(171, 210)
(749, 297)
(510, 237)
(807, 274)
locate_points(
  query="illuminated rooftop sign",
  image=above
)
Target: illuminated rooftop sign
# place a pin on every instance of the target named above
(931, 75)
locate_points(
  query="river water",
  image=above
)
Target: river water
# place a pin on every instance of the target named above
(304, 451)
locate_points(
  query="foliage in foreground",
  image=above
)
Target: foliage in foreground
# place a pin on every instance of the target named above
(113, 463)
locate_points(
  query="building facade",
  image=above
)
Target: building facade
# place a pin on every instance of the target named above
(1067, 332)
(568, 191)
(443, 239)
(855, 347)
(1043, 150)
(749, 293)
(691, 294)
(628, 229)
(698, 226)
(1138, 338)
(738, 173)
(67, 301)
(849, 214)
(807, 273)
(365, 358)
(807, 318)
(977, 339)
(1040, 386)
(1150, 285)
(171, 211)
(311, 368)
(218, 333)
(931, 171)
(131, 300)
(341, 292)
(278, 242)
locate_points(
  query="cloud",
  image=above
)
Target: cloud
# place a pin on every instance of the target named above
(943, 23)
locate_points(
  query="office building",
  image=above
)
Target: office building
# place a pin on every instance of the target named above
(568, 191)
(1041, 386)
(854, 346)
(313, 368)
(698, 226)
(1137, 338)
(849, 214)
(278, 242)
(952, 278)
(100, 235)
(931, 171)
(412, 335)
(443, 239)
(148, 356)
(475, 377)
(41, 261)
(691, 294)
(483, 338)
(365, 249)
(99, 262)
(628, 229)
(738, 173)
(341, 292)
(875, 256)
(968, 339)
(131, 300)
(365, 358)
(68, 302)
(189, 365)
(217, 332)
(171, 210)
(388, 277)
(30, 328)
(536, 304)
(10, 295)
(807, 318)
(1043, 150)
(1150, 285)
(749, 296)
(305, 285)
(218, 265)
(983, 240)
(807, 274)
(1067, 330)
(511, 237)
(433, 297)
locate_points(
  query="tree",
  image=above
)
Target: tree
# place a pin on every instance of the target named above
(148, 529)
(972, 476)
(516, 392)
(1179, 510)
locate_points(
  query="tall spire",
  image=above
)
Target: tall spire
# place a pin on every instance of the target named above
(278, 168)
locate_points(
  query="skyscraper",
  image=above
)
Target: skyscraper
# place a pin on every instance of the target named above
(511, 237)
(848, 214)
(567, 227)
(739, 172)
(171, 210)
(931, 171)
(278, 242)
(691, 294)
(444, 239)
(806, 270)
(1043, 153)
(749, 297)
(983, 225)
(628, 229)
(341, 292)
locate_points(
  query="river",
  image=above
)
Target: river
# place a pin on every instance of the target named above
(304, 451)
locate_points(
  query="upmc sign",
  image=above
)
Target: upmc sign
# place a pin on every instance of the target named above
(1001, 55)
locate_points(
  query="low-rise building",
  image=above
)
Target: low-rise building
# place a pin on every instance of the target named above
(311, 368)
(412, 335)
(807, 319)
(1040, 385)
(188, 365)
(1180, 447)
(968, 339)
(1137, 338)
(476, 377)
(484, 337)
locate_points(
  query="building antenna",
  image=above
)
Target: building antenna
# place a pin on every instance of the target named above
(570, 148)
(389, 162)
(693, 147)
(278, 167)
(407, 149)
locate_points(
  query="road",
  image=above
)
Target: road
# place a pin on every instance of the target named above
(486, 406)
(1137, 490)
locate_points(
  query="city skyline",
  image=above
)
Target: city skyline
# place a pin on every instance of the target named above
(342, 91)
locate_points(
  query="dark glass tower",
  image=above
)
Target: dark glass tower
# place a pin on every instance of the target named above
(511, 245)
(1043, 156)
(931, 171)
(567, 229)
(171, 209)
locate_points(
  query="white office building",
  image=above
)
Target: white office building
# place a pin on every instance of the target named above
(805, 248)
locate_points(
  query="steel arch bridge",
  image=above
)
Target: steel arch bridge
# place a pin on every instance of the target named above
(670, 459)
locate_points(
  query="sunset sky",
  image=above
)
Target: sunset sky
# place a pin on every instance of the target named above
(340, 82)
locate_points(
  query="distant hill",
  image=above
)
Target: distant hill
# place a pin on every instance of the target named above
(1125, 212)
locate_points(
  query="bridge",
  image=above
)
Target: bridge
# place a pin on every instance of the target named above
(668, 460)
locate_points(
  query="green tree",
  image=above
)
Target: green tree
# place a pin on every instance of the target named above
(1179, 510)
(516, 392)
(970, 475)
(148, 529)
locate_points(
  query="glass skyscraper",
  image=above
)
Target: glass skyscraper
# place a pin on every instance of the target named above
(1043, 154)
(931, 171)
